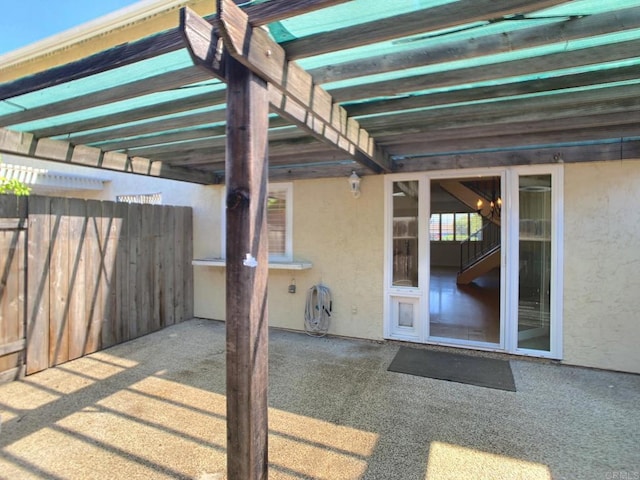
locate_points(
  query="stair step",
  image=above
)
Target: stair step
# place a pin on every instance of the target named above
(482, 266)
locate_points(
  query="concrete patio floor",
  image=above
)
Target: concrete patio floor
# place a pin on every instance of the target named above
(154, 408)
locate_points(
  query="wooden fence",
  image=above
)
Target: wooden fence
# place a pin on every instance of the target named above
(97, 274)
(13, 264)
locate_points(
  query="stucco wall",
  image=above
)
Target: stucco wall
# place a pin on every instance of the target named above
(602, 265)
(341, 235)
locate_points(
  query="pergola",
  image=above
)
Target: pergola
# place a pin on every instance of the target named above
(292, 89)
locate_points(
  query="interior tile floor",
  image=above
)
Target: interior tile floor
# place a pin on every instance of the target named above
(464, 312)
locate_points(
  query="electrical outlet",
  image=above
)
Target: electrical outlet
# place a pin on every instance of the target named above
(354, 309)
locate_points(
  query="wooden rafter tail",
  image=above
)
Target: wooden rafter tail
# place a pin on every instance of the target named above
(203, 42)
(298, 97)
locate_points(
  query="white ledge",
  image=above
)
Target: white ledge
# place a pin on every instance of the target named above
(221, 262)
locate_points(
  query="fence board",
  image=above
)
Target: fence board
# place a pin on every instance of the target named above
(59, 281)
(78, 322)
(12, 283)
(156, 268)
(187, 257)
(94, 259)
(144, 283)
(169, 230)
(110, 236)
(178, 265)
(122, 327)
(22, 276)
(38, 285)
(134, 216)
(13, 347)
(13, 248)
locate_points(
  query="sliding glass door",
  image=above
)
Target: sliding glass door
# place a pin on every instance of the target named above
(509, 297)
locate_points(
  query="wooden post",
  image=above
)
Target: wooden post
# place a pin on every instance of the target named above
(247, 271)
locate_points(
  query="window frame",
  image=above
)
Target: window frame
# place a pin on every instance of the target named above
(287, 188)
(455, 233)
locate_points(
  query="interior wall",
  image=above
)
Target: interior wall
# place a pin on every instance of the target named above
(602, 257)
(341, 235)
(445, 254)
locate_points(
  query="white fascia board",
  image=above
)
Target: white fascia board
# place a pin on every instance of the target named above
(128, 15)
(42, 177)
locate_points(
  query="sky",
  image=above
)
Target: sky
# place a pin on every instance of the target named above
(23, 22)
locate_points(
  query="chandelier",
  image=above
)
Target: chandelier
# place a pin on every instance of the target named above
(491, 211)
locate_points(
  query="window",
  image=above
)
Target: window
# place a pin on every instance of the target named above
(279, 219)
(450, 227)
(279, 222)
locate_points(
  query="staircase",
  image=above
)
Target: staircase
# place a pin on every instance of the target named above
(481, 252)
(469, 197)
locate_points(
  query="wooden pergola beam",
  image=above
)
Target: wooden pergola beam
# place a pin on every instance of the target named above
(436, 18)
(154, 128)
(126, 91)
(623, 149)
(573, 109)
(602, 126)
(510, 41)
(433, 144)
(277, 10)
(25, 144)
(152, 46)
(514, 89)
(493, 71)
(164, 108)
(159, 149)
(292, 91)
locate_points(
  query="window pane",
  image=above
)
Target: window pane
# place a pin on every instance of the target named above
(434, 227)
(475, 226)
(446, 232)
(462, 226)
(534, 297)
(277, 222)
(405, 234)
(405, 314)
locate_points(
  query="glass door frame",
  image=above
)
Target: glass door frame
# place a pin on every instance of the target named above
(468, 173)
(509, 278)
(393, 294)
(557, 258)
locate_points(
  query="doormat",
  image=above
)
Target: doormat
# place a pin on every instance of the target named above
(472, 370)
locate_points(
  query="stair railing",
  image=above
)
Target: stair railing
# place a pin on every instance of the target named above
(479, 244)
